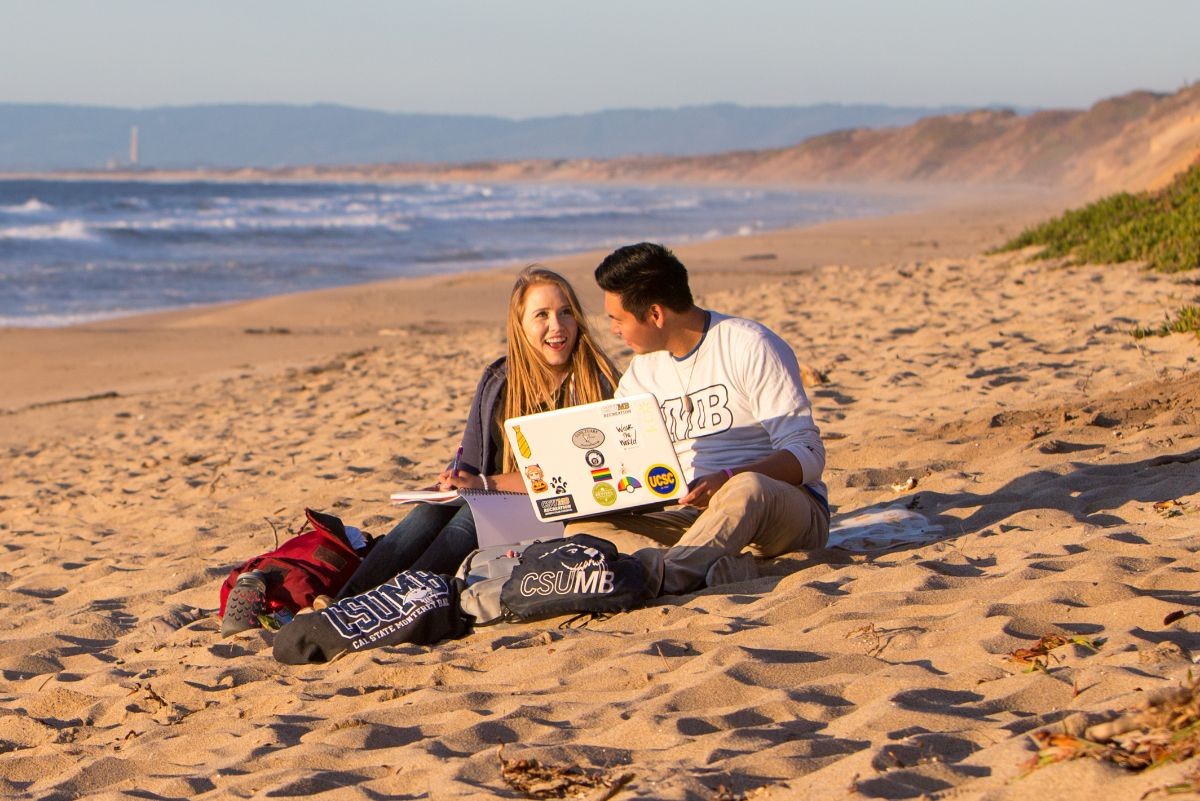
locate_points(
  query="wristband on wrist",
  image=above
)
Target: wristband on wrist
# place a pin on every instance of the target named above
(728, 473)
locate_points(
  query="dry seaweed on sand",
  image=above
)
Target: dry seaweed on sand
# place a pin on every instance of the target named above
(1172, 508)
(1164, 728)
(535, 780)
(876, 638)
(723, 793)
(1038, 656)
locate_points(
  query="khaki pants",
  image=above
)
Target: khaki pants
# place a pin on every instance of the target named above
(749, 511)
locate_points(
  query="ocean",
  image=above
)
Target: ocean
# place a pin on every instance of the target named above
(74, 251)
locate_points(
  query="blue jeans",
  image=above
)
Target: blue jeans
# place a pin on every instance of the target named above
(432, 537)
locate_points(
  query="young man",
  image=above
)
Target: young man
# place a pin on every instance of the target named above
(732, 399)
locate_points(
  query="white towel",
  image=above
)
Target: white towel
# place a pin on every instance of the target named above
(879, 529)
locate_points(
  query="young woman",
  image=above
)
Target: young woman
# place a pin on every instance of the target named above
(551, 363)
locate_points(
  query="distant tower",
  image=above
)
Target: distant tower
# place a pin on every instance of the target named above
(133, 146)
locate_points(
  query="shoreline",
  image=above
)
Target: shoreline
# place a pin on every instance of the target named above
(794, 207)
(883, 201)
(86, 359)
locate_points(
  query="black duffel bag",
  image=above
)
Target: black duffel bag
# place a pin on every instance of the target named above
(573, 575)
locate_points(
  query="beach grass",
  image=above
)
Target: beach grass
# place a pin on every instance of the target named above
(1186, 319)
(1159, 228)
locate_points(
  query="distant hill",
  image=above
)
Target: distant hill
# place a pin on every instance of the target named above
(37, 137)
(1131, 142)
(1134, 141)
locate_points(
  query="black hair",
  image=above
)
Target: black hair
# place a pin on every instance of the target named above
(643, 275)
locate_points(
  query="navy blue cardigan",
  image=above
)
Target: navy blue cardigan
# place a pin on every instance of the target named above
(482, 439)
(481, 443)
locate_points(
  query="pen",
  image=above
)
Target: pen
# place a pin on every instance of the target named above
(457, 459)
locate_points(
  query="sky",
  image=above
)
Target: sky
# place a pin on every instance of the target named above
(530, 58)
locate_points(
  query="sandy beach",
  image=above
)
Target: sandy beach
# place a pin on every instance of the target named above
(1001, 398)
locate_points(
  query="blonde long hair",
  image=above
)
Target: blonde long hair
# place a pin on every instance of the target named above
(532, 384)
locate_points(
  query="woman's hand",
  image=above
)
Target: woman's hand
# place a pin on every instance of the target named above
(448, 480)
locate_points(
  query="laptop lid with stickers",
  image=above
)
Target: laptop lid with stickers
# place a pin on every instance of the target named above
(596, 458)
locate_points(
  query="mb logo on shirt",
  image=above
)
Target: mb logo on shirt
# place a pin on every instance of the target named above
(710, 414)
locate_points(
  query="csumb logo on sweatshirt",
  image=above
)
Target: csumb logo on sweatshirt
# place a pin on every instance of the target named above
(392, 605)
(710, 413)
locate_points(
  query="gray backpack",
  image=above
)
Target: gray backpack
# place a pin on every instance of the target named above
(483, 573)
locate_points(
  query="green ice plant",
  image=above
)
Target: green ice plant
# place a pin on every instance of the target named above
(1161, 229)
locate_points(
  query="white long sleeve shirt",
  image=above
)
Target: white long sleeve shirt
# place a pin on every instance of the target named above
(747, 400)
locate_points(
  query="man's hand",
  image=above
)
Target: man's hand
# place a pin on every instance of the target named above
(701, 490)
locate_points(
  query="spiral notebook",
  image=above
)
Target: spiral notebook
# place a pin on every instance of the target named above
(500, 517)
(596, 458)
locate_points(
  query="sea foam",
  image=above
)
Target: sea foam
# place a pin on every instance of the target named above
(31, 206)
(66, 230)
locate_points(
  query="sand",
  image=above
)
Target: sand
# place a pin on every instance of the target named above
(1003, 399)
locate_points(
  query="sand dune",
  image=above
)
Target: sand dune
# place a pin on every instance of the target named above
(1058, 454)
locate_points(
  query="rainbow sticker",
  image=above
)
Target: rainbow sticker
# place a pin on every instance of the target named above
(661, 480)
(601, 474)
(629, 484)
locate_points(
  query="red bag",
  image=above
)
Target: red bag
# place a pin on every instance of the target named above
(312, 563)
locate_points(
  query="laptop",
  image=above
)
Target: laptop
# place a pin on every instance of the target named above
(597, 458)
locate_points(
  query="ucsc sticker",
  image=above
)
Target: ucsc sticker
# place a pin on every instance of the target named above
(661, 480)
